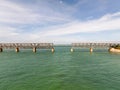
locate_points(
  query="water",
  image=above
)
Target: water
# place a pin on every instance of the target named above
(63, 70)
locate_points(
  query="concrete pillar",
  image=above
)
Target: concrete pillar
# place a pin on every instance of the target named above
(1, 50)
(34, 50)
(109, 50)
(91, 49)
(17, 49)
(71, 49)
(53, 50)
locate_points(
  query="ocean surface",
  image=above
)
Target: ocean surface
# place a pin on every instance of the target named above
(62, 70)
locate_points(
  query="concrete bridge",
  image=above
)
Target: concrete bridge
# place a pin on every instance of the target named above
(92, 45)
(34, 46)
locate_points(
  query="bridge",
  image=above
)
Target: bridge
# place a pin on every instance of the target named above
(92, 45)
(34, 46)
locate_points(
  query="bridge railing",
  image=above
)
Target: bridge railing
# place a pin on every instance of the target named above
(27, 45)
(93, 45)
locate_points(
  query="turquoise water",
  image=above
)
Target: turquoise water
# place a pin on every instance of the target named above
(63, 70)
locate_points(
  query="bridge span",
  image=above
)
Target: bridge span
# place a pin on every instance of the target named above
(34, 46)
(92, 45)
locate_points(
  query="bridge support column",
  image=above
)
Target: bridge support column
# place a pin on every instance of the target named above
(34, 50)
(53, 50)
(109, 50)
(91, 49)
(17, 49)
(71, 49)
(1, 50)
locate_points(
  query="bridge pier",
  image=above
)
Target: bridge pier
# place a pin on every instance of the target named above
(17, 49)
(1, 49)
(109, 49)
(34, 49)
(53, 50)
(91, 49)
(72, 50)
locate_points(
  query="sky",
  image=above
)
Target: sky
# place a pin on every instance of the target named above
(59, 21)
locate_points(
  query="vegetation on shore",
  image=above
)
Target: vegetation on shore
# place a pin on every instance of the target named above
(116, 46)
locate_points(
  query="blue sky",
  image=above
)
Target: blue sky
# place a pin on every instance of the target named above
(59, 21)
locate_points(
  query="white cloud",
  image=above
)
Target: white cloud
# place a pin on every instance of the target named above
(7, 31)
(107, 22)
(11, 12)
(18, 15)
(55, 34)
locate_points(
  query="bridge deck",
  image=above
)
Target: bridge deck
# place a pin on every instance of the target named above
(93, 45)
(27, 45)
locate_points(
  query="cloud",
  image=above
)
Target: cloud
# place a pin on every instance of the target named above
(7, 31)
(62, 33)
(23, 22)
(67, 33)
(19, 19)
(107, 22)
(11, 12)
